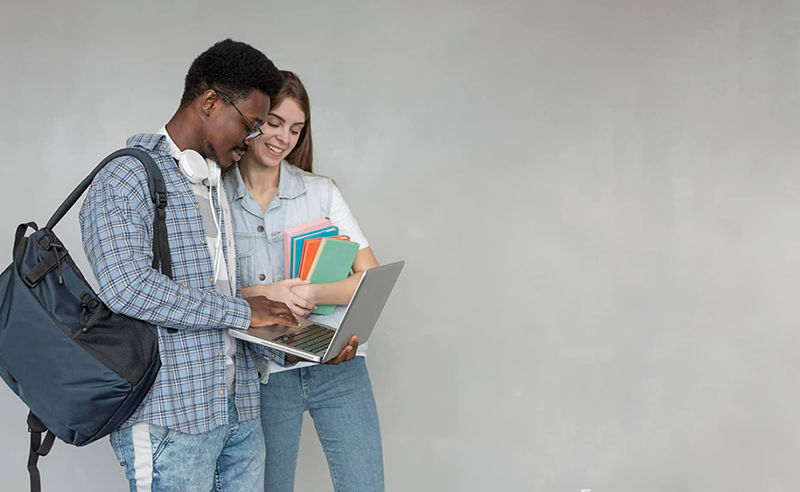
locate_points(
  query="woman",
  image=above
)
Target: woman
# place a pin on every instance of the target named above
(271, 190)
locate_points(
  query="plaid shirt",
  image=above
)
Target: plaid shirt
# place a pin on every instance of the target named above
(189, 394)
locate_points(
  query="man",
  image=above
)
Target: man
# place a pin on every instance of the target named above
(198, 428)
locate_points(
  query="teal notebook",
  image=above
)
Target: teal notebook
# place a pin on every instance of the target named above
(297, 246)
(333, 263)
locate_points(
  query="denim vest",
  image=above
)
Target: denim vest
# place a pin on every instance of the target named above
(301, 197)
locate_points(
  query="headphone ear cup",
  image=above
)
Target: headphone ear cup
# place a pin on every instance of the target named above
(193, 166)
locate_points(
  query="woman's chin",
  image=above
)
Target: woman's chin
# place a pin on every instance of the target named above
(269, 160)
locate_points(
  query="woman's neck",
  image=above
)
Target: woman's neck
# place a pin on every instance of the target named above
(259, 179)
(262, 181)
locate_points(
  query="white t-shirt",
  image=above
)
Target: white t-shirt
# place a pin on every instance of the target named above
(342, 218)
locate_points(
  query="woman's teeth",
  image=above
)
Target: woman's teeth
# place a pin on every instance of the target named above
(274, 149)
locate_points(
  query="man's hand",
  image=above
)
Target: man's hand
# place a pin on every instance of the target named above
(266, 312)
(347, 353)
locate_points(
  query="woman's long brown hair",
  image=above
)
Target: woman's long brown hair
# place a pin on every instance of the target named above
(302, 154)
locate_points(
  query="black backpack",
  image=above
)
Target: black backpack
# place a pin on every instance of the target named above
(81, 369)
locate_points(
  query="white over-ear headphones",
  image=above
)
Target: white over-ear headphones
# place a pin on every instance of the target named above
(207, 172)
(197, 169)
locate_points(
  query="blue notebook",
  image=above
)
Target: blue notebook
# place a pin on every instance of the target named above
(297, 246)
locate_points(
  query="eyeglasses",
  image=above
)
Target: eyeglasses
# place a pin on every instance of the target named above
(255, 132)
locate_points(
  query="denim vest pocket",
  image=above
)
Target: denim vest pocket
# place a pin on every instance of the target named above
(276, 255)
(276, 237)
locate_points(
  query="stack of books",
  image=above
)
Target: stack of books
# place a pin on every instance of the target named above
(316, 252)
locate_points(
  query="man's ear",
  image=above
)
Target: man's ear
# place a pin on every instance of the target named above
(209, 101)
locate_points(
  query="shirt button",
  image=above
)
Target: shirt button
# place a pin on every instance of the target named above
(221, 354)
(262, 277)
(202, 241)
(211, 280)
(164, 146)
(260, 228)
(196, 205)
(221, 392)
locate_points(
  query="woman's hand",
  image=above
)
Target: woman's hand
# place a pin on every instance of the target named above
(306, 291)
(283, 291)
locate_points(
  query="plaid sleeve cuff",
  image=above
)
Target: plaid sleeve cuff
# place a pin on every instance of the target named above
(238, 314)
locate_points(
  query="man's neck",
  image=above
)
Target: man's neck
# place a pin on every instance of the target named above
(182, 132)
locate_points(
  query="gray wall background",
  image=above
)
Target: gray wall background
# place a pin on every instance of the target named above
(596, 201)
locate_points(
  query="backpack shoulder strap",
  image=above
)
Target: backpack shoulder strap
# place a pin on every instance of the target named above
(38, 448)
(158, 194)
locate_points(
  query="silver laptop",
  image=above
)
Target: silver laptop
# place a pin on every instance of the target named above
(321, 343)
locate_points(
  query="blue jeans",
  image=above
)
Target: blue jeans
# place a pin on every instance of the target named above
(339, 399)
(157, 459)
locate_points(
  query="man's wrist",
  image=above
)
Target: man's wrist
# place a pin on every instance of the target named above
(239, 314)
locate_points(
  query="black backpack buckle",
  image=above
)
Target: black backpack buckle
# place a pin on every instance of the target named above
(87, 301)
(161, 200)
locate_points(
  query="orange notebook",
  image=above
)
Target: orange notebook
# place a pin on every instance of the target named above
(310, 248)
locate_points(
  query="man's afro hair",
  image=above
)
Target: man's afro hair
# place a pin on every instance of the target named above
(232, 67)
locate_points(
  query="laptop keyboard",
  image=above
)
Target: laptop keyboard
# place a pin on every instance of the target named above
(312, 338)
